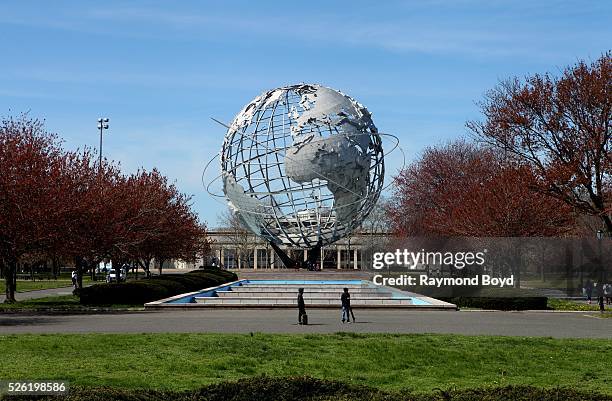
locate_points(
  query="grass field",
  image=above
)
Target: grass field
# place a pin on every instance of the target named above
(418, 363)
(29, 285)
(563, 304)
(63, 302)
(62, 281)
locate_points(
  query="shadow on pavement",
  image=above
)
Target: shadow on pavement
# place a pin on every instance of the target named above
(27, 321)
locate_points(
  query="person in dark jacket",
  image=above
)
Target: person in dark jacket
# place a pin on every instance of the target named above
(588, 289)
(302, 319)
(346, 306)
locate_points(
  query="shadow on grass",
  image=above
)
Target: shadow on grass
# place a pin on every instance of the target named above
(308, 389)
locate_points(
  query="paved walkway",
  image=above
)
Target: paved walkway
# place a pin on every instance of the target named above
(20, 296)
(537, 324)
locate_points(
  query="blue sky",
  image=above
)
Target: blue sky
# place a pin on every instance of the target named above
(160, 69)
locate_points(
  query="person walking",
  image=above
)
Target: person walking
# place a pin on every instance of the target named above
(608, 293)
(588, 288)
(346, 306)
(302, 316)
(74, 279)
(600, 297)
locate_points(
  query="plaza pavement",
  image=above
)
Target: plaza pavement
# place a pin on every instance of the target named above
(533, 324)
(527, 323)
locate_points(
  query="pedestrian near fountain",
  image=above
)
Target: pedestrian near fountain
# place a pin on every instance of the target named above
(346, 306)
(302, 316)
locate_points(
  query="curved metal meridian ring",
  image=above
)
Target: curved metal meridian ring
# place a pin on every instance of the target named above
(218, 177)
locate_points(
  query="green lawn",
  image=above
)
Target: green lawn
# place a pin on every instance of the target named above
(64, 302)
(564, 304)
(29, 285)
(60, 301)
(391, 362)
(63, 281)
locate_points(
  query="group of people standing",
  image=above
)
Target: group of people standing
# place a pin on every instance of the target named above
(603, 293)
(345, 300)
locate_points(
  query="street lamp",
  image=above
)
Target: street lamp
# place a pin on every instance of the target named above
(102, 125)
(600, 236)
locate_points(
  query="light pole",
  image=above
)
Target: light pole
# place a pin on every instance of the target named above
(102, 125)
(600, 236)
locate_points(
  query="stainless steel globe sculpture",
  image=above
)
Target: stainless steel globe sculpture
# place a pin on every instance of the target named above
(302, 165)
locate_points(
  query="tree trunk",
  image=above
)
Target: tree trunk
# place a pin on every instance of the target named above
(608, 223)
(517, 261)
(161, 263)
(78, 265)
(54, 266)
(542, 263)
(147, 267)
(10, 278)
(117, 265)
(145, 263)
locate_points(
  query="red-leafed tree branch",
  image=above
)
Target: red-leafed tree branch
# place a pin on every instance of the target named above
(461, 189)
(64, 204)
(561, 128)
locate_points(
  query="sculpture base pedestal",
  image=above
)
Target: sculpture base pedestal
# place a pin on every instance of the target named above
(314, 254)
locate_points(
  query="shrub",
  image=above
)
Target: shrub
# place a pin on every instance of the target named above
(500, 303)
(488, 298)
(139, 292)
(310, 389)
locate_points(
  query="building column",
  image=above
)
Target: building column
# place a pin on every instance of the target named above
(222, 256)
(305, 255)
(271, 257)
(255, 255)
(355, 259)
(338, 257)
(322, 257)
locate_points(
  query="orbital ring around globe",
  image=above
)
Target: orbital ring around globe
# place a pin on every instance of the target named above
(302, 165)
(207, 184)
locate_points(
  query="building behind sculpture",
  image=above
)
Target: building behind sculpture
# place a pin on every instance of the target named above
(242, 250)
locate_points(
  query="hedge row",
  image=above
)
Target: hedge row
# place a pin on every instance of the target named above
(139, 292)
(309, 389)
(487, 298)
(500, 303)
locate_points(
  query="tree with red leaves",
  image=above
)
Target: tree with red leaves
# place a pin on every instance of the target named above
(33, 208)
(561, 128)
(166, 227)
(63, 204)
(97, 210)
(463, 190)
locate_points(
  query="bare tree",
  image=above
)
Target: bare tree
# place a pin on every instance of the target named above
(239, 237)
(374, 230)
